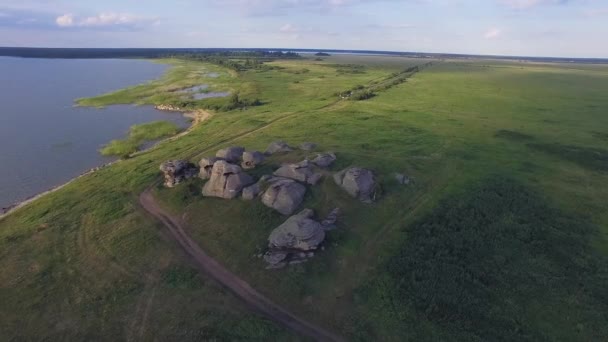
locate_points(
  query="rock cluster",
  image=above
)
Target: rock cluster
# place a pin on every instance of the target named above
(358, 182)
(176, 171)
(296, 239)
(302, 172)
(168, 108)
(231, 154)
(205, 166)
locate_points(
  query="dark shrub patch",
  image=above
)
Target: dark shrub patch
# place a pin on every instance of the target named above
(587, 157)
(512, 135)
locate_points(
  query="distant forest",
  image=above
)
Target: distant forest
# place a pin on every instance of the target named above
(249, 53)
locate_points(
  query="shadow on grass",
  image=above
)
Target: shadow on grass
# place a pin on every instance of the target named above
(513, 135)
(588, 157)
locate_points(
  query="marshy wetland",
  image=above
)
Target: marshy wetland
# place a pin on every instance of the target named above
(501, 235)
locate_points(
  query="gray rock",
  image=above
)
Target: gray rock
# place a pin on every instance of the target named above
(324, 159)
(300, 232)
(308, 146)
(231, 154)
(278, 146)
(302, 171)
(402, 179)
(227, 180)
(176, 171)
(284, 195)
(251, 192)
(329, 222)
(275, 257)
(206, 165)
(252, 159)
(358, 182)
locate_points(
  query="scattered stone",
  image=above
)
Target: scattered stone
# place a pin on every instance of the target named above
(329, 222)
(299, 232)
(278, 146)
(252, 159)
(231, 154)
(402, 179)
(206, 165)
(308, 146)
(275, 257)
(227, 180)
(324, 159)
(168, 108)
(358, 182)
(284, 195)
(302, 171)
(176, 171)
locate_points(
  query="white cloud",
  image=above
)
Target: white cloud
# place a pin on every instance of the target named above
(526, 4)
(287, 28)
(65, 20)
(103, 20)
(492, 33)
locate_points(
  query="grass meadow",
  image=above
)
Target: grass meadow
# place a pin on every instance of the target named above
(502, 235)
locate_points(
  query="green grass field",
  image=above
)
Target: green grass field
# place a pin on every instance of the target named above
(139, 134)
(503, 234)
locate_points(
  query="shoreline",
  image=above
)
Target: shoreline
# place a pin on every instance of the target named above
(197, 117)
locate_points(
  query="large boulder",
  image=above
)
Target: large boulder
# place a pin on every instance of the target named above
(231, 154)
(284, 195)
(278, 146)
(206, 165)
(358, 182)
(176, 171)
(227, 180)
(302, 171)
(300, 232)
(324, 159)
(252, 159)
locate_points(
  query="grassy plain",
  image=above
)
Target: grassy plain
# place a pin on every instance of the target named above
(509, 166)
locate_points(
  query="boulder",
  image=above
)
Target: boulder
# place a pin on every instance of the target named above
(251, 192)
(275, 258)
(227, 180)
(278, 146)
(176, 171)
(402, 179)
(302, 171)
(308, 146)
(231, 154)
(284, 195)
(206, 165)
(300, 232)
(324, 159)
(358, 182)
(252, 159)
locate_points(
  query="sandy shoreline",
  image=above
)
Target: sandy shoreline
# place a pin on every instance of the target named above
(196, 116)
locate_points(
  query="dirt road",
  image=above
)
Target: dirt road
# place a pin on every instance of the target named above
(239, 287)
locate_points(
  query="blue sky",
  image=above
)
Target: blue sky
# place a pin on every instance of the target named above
(569, 28)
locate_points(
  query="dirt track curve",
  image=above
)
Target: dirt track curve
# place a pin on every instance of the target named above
(239, 287)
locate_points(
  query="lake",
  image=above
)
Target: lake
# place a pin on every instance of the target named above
(45, 140)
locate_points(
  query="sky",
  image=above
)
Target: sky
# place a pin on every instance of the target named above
(557, 28)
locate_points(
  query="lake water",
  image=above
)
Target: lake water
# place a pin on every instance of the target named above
(45, 140)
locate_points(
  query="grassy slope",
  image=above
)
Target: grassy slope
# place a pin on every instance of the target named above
(138, 134)
(443, 127)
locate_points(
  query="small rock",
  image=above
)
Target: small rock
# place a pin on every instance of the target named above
(358, 182)
(308, 146)
(329, 222)
(252, 159)
(278, 146)
(251, 192)
(324, 159)
(274, 257)
(231, 154)
(402, 179)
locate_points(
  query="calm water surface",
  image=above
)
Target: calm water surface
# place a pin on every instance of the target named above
(44, 140)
